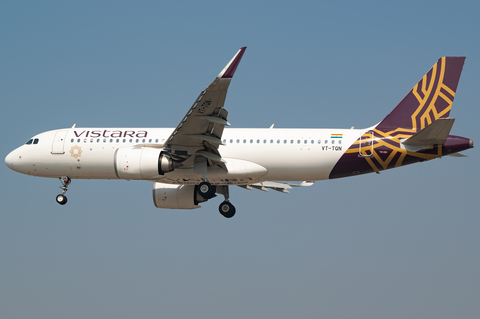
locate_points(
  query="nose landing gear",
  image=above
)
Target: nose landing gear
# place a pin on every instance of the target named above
(61, 198)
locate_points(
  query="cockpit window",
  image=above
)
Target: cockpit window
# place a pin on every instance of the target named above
(32, 141)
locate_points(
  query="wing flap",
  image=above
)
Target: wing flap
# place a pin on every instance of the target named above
(276, 186)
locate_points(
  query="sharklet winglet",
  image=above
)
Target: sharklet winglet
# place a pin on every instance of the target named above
(231, 67)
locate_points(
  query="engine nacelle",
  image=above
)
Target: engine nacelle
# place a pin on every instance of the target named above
(176, 196)
(142, 163)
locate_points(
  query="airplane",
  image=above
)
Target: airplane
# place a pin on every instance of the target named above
(196, 160)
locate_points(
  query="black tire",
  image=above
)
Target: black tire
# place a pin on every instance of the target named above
(206, 190)
(61, 199)
(227, 209)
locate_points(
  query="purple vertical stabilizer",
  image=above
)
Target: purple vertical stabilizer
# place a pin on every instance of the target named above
(429, 100)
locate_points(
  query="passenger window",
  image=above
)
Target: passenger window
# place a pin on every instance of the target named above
(118, 140)
(85, 141)
(319, 142)
(156, 140)
(231, 141)
(78, 141)
(91, 140)
(143, 141)
(284, 141)
(258, 141)
(130, 140)
(251, 141)
(72, 140)
(291, 141)
(224, 141)
(326, 141)
(264, 141)
(313, 141)
(271, 141)
(305, 142)
(136, 141)
(298, 141)
(124, 140)
(333, 141)
(98, 140)
(111, 140)
(238, 141)
(104, 140)
(278, 141)
(244, 141)
(339, 141)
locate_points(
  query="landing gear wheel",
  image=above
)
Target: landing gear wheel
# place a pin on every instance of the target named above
(227, 209)
(206, 190)
(61, 199)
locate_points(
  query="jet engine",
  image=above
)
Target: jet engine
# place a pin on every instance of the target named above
(176, 196)
(143, 163)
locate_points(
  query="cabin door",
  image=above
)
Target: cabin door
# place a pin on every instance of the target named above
(59, 142)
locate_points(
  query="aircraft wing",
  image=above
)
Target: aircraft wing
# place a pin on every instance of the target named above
(201, 129)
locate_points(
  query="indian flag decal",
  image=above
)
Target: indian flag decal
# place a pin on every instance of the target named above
(336, 136)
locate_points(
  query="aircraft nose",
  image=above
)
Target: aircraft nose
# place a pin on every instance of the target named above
(9, 160)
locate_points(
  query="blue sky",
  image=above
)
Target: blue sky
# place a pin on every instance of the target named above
(400, 244)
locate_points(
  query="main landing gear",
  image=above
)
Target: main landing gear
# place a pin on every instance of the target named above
(61, 198)
(207, 191)
(226, 208)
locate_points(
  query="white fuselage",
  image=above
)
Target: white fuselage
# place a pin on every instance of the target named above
(251, 155)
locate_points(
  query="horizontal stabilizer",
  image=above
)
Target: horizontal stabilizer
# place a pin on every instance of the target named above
(457, 155)
(435, 133)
